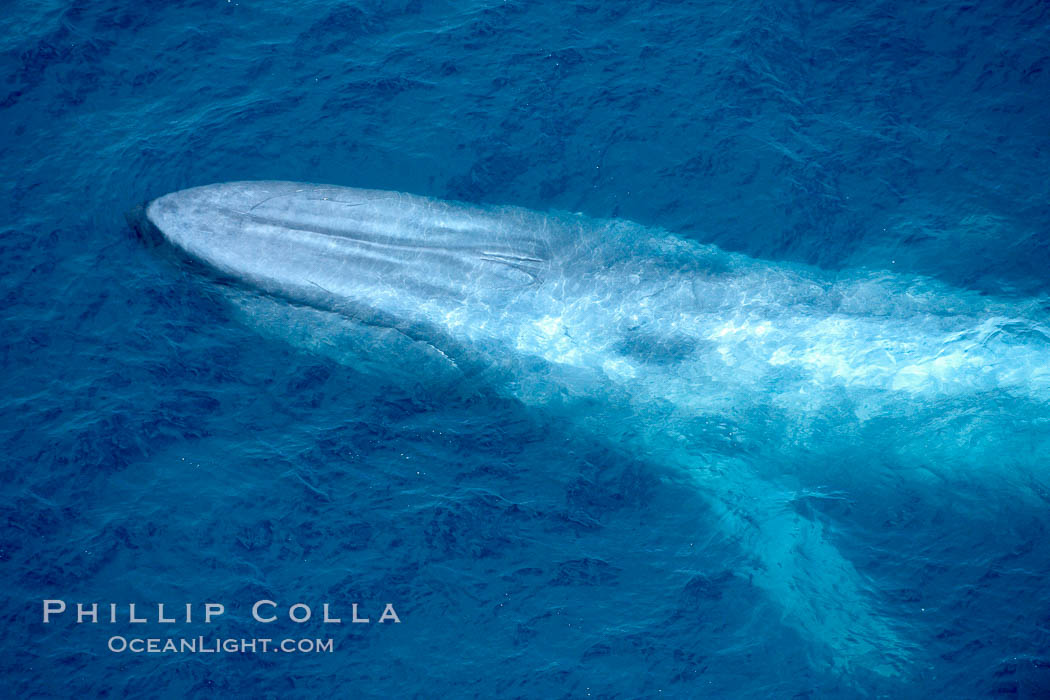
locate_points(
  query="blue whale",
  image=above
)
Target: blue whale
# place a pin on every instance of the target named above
(685, 354)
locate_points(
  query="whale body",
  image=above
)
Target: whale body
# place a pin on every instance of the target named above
(685, 354)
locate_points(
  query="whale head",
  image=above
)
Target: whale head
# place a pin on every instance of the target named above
(365, 253)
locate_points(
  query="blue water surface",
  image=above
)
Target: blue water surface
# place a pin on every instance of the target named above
(156, 450)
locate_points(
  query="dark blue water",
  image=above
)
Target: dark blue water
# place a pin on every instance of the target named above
(156, 450)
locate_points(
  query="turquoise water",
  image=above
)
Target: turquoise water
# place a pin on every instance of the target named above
(160, 449)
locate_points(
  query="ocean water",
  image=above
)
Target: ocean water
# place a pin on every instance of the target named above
(158, 449)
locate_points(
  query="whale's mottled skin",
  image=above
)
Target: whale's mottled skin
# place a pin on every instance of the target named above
(675, 349)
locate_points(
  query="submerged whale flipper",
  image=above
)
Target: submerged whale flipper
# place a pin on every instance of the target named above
(637, 336)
